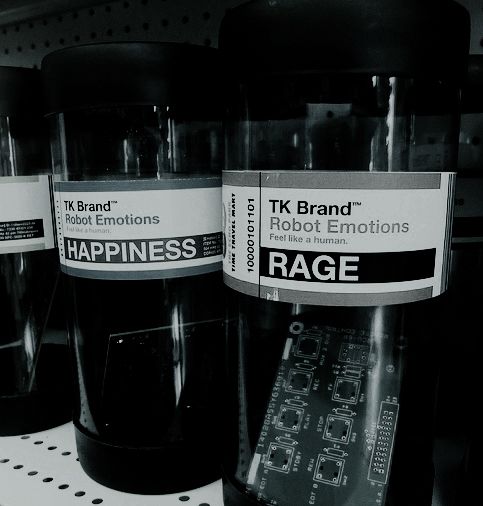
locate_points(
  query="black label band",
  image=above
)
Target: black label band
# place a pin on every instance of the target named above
(17, 230)
(314, 266)
(143, 250)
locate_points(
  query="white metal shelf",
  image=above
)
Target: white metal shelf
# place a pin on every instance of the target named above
(42, 469)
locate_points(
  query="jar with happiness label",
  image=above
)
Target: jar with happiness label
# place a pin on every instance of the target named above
(136, 141)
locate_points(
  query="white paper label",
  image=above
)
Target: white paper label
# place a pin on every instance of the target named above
(26, 216)
(140, 229)
(337, 238)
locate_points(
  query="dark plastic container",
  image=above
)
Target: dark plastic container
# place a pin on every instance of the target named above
(466, 288)
(331, 376)
(459, 382)
(33, 374)
(137, 155)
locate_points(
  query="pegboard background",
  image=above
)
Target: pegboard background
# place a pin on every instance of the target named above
(43, 26)
(25, 42)
(35, 28)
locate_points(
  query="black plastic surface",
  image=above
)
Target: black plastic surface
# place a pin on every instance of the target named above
(47, 407)
(20, 91)
(147, 470)
(400, 37)
(131, 73)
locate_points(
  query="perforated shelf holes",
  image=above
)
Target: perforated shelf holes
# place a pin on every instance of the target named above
(43, 468)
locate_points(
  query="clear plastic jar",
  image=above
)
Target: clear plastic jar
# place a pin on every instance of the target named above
(459, 381)
(137, 159)
(332, 361)
(31, 390)
(468, 222)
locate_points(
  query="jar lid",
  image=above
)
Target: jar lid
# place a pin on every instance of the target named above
(129, 73)
(20, 91)
(395, 37)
